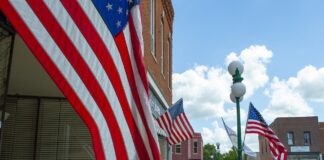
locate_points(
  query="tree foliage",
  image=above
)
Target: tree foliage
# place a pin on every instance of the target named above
(210, 153)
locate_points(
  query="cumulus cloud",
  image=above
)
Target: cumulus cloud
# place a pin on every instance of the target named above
(309, 83)
(205, 89)
(217, 134)
(285, 101)
(254, 60)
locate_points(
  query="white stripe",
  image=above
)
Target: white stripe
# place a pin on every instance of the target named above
(168, 125)
(183, 129)
(177, 128)
(140, 89)
(260, 131)
(137, 23)
(257, 126)
(67, 71)
(188, 125)
(105, 34)
(80, 43)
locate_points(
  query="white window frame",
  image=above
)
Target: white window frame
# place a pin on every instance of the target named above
(195, 141)
(169, 56)
(177, 145)
(162, 46)
(290, 140)
(152, 28)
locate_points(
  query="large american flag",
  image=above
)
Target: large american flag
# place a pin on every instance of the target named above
(93, 51)
(175, 122)
(257, 125)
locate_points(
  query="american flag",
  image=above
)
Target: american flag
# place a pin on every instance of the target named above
(175, 122)
(93, 51)
(257, 125)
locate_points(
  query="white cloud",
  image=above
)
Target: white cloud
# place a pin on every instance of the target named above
(205, 90)
(217, 134)
(285, 101)
(254, 60)
(309, 83)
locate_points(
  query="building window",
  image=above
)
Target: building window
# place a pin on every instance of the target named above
(177, 148)
(195, 147)
(162, 46)
(152, 28)
(307, 138)
(290, 136)
(169, 61)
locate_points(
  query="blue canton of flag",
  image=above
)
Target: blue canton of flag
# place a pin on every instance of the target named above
(255, 115)
(176, 109)
(115, 13)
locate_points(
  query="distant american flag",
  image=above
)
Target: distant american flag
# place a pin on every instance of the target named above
(175, 122)
(257, 125)
(93, 51)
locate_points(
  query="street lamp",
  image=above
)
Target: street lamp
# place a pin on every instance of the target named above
(238, 90)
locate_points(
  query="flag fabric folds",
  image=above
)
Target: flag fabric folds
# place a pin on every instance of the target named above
(93, 51)
(175, 122)
(257, 125)
(233, 137)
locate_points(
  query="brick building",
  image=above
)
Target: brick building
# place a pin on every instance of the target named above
(302, 136)
(189, 150)
(41, 124)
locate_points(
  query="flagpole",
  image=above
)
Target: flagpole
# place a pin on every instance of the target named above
(236, 68)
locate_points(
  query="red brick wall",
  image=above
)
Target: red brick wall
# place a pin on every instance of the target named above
(321, 128)
(297, 125)
(187, 151)
(153, 64)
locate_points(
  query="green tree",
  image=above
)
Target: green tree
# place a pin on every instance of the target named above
(231, 155)
(209, 150)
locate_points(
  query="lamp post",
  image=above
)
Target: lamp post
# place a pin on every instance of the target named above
(238, 90)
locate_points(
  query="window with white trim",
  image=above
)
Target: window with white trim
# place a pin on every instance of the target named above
(290, 136)
(177, 148)
(307, 138)
(195, 147)
(152, 28)
(162, 46)
(168, 65)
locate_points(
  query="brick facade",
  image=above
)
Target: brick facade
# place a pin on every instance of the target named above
(163, 12)
(187, 149)
(297, 126)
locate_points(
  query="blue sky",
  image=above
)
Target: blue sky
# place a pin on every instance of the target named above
(206, 32)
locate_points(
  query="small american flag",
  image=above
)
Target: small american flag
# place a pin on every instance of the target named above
(93, 51)
(257, 125)
(175, 122)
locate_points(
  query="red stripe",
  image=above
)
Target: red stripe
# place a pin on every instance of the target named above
(266, 130)
(186, 125)
(72, 54)
(173, 134)
(182, 128)
(265, 135)
(258, 123)
(186, 119)
(138, 53)
(165, 121)
(56, 75)
(98, 46)
(122, 47)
